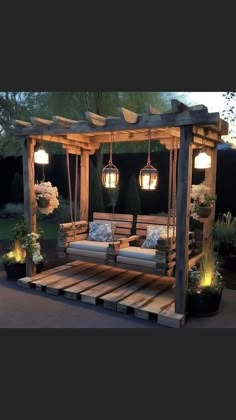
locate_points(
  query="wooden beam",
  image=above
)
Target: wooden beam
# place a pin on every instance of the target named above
(65, 122)
(113, 125)
(210, 181)
(29, 195)
(184, 182)
(129, 116)
(19, 123)
(151, 110)
(84, 185)
(40, 121)
(178, 106)
(96, 119)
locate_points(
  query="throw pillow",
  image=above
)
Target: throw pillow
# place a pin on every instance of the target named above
(100, 232)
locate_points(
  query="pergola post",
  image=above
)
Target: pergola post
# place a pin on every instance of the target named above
(29, 195)
(84, 184)
(184, 182)
(210, 181)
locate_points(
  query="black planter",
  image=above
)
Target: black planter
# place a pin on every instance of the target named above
(203, 304)
(17, 271)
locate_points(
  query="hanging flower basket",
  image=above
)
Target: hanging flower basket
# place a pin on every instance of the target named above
(47, 197)
(204, 211)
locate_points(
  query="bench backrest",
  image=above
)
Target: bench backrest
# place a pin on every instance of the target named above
(122, 223)
(143, 221)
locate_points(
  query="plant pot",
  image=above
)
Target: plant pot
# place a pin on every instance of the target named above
(204, 211)
(203, 304)
(15, 271)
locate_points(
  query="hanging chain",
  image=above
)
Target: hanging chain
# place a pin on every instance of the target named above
(112, 138)
(149, 148)
(69, 184)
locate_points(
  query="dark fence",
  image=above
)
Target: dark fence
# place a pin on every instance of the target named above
(128, 164)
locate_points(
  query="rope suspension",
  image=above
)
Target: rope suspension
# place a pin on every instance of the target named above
(172, 190)
(73, 217)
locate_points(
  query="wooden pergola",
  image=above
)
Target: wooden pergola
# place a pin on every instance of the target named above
(184, 127)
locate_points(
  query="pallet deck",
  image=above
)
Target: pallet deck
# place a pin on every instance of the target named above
(118, 289)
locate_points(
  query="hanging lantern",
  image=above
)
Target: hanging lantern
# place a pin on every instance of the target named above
(41, 156)
(110, 173)
(202, 161)
(148, 176)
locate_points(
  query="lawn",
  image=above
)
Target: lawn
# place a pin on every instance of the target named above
(50, 229)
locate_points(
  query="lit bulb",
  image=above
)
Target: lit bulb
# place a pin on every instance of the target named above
(202, 161)
(41, 157)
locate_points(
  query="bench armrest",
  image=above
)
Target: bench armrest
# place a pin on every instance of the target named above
(132, 238)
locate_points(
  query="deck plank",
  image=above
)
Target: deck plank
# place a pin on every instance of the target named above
(157, 304)
(41, 283)
(122, 277)
(86, 271)
(27, 281)
(93, 294)
(110, 300)
(169, 318)
(96, 277)
(144, 295)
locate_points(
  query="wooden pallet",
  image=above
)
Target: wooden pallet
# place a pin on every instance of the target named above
(122, 290)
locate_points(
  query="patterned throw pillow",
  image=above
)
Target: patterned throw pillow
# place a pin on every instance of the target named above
(153, 234)
(100, 232)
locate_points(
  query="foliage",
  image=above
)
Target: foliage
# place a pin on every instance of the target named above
(206, 277)
(201, 196)
(225, 233)
(62, 213)
(230, 112)
(12, 209)
(133, 201)
(29, 241)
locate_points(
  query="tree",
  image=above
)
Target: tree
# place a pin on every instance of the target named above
(17, 193)
(229, 113)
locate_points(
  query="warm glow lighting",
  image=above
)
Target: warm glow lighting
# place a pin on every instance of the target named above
(148, 178)
(18, 253)
(110, 176)
(110, 173)
(202, 161)
(41, 157)
(206, 280)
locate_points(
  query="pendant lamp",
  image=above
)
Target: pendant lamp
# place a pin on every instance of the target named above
(41, 156)
(148, 176)
(110, 173)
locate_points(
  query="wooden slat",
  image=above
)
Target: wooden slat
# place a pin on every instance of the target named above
(65, 122)
(116, 277)
(20, 123)
(40, 121)
(156, 305)
(157, 220)
(114, 217)
(27, 281)
(86, 271)
(45, 281)
(95, 119)
(144, 295)
(129, 116)
(96, 276)
(139, 281)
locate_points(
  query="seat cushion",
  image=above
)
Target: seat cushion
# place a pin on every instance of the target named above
(89, 245)
(138, 253)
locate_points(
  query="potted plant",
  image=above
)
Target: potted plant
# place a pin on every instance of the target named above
(225, 240)
(26, 244)
(205, 286)
(202, 201)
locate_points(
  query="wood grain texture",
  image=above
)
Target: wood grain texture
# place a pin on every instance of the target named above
(84, 185)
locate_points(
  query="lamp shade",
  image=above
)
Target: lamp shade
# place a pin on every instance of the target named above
(202, 161)
(110, 176)
(41, 157)
(148, 178)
